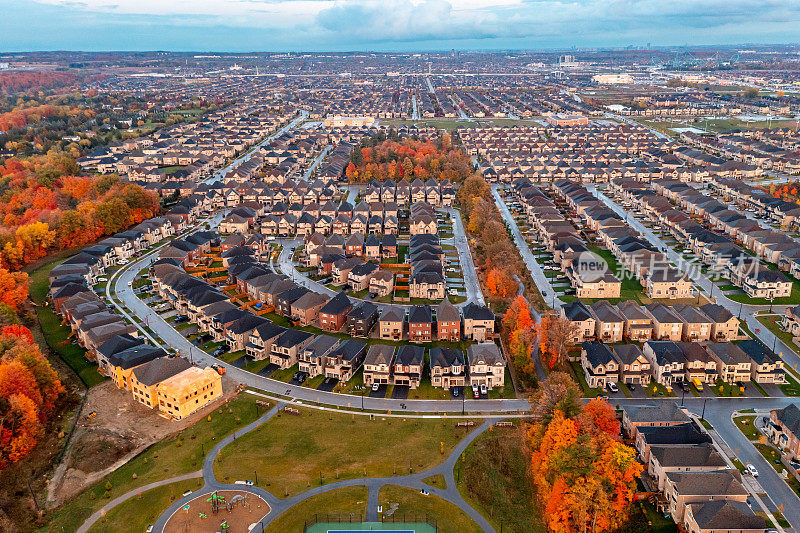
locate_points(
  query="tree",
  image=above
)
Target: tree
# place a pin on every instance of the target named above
(557, 392)
(556, 335)
(13, 288)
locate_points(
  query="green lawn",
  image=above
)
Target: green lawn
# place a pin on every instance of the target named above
(292, 453)
(346, 503)
(577, 373)
(135, 514)
(448, 517)
(792, 299)
(791, 387)
(178, 454)
(745, 425)
(721, 388)
(631, 288)
(56, 336)
(492, 476)
(772, 323)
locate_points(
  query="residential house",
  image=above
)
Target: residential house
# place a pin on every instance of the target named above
(448, 322)
(378, 364)
(408, 366)
(486, 365)
(479, 322)
(343, 361)
(184, 393)
(599, 365)
(448, 368)
(634, 368)
(361, 319)
(420, 323)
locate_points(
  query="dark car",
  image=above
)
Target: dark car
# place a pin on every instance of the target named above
(180, 319)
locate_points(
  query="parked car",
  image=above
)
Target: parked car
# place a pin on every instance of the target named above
(484, 390)
(454, 392)
(612, 387)
(750, 469)
(631, 387)
(375, 387)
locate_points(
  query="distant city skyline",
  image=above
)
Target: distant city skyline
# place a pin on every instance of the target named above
(390, 25)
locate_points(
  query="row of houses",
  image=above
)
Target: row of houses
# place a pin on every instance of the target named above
(630, 320)
(659, 279)
(672, 363)
(404, 192)
(697, 485)
(157, 380)
(718, 234)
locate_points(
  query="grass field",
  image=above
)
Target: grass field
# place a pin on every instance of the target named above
(292, 453)
(346, 502)
(179, 454)
(492, 476)
(135, 514)
(745, 425)
(448, 517)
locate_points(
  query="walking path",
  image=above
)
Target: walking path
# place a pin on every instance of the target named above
(279, 506)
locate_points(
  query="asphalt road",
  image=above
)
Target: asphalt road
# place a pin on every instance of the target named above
(541, 281)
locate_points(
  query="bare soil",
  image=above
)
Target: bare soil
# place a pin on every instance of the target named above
(200, 518)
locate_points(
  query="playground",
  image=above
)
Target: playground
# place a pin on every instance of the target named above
(224, 511)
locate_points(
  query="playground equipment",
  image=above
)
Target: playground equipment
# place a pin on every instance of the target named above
(216, 500)
(236, 499)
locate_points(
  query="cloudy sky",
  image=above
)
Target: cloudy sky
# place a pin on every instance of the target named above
(255, 25)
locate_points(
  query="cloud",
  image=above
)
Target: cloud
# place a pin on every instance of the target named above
(361, 24)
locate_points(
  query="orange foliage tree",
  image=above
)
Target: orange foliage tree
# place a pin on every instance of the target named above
(45, 207)
(29, 389)
(584, 475)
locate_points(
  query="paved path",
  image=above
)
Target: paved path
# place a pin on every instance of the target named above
(471, 284)
(97, 515)
(374, 485)
(541, 281)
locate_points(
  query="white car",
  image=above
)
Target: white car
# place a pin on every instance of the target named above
(484, 390)
(612, 386)
(130, 283)
(751, 470)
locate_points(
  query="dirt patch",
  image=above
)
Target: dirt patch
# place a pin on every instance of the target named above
(119, 429)
(237, 509)
(96, 450)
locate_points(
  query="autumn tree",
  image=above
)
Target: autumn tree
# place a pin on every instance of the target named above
(555, 334)
(584, 475)
(29, 389)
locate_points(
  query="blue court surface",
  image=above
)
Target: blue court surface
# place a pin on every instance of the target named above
(376, 527)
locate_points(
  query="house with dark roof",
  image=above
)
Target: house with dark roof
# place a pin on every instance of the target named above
(686, 488)
(702, 457)
(581, 316)
(479, 322)
(767, 365)
(333, 314)
(420, 323)
(287, 347)
(598, 363)
(343, 361)
(634, 368)
(722, 516)
(378, 364)
(311, 359)
(408, 366)
(648, 436)
(361, 319)
(448, 322)
(448, 367)
(261, 338)
(784, 429)
(486, 365)
(658, 414)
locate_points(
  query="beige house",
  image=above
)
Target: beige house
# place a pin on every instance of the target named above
(724, 325)
(486, 365)
(479, 322)
(609, 323)
(667, 324)
(390, 325)
(685, 488)
(702, 457)
(382, 283)
(378, 364)
(733, 365)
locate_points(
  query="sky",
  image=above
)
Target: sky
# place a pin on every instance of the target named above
(389, 25)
